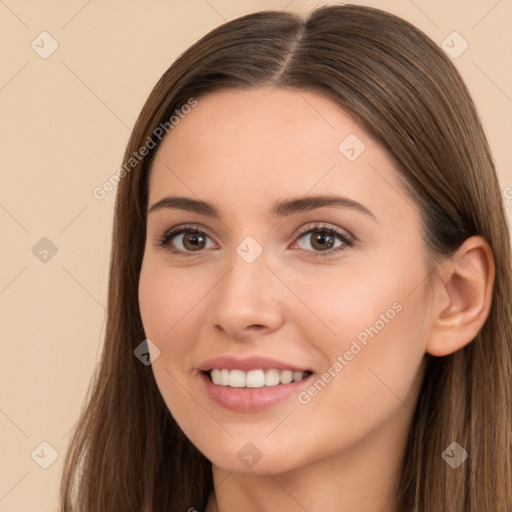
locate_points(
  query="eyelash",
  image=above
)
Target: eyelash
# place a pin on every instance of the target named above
(348, 241)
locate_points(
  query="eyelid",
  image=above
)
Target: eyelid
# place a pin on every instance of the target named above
(319, 225)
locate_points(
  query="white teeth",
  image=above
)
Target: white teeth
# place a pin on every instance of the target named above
(237, 379)
(216, 376)
(286, 377)
(224, 378)
(272, 378)
(254, 378)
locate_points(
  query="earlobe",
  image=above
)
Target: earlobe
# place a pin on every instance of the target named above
(463, 298)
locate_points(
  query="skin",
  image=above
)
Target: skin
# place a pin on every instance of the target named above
(241, 150)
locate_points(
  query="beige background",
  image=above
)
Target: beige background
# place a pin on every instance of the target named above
(64, 125)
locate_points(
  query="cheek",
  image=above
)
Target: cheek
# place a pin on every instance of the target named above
(165, 302)
(172, 312)
(165, 297)
(374, 320)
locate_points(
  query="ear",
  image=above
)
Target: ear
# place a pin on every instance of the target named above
(462, 300)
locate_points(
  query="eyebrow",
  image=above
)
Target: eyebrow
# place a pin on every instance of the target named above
(280, 208)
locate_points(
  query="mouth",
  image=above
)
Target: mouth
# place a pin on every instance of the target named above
(253, 379)
(252, 384)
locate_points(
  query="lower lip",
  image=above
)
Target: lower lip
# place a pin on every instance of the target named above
(251, 399)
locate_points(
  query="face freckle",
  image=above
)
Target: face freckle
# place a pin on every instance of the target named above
(355, 319)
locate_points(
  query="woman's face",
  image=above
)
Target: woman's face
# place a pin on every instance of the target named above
(276, 284)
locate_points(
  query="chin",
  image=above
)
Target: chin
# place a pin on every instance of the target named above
(247, 458)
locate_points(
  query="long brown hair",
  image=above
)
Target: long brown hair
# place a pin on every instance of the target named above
(127, 453)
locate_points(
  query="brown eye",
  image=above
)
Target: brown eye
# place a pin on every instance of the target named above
(185, 240)
(323, 239)
(193, 241)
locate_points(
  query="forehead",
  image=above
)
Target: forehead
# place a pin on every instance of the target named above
(240, 146)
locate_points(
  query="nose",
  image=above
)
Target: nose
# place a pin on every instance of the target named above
(246, 303)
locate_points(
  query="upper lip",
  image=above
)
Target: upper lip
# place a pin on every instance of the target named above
(248, 363)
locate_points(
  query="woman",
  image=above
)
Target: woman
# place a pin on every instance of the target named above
(312, 252)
